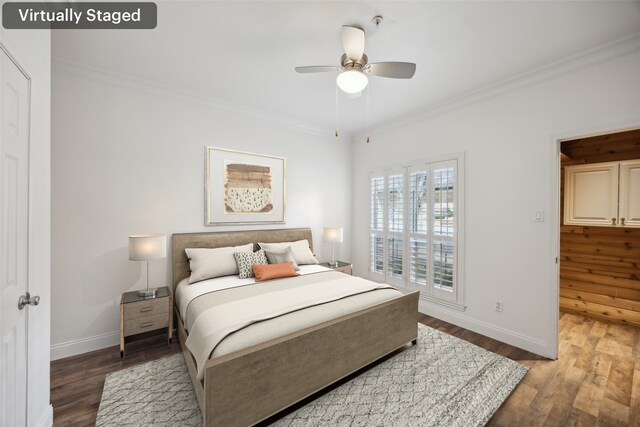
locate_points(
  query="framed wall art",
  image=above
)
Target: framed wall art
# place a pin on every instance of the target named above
(243, 188)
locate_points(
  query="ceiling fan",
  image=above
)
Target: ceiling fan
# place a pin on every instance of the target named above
(354, 65)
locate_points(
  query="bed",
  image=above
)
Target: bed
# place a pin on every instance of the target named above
(242, 384)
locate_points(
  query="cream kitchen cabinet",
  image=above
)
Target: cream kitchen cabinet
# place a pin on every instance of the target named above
(629, 202)
(603, 194)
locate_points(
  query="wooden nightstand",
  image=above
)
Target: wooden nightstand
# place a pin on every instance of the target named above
(139, 315)
(343, 267)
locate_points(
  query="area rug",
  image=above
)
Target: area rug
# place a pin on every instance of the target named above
(441, 381)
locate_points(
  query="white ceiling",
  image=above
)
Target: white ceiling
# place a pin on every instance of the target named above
(245, 52)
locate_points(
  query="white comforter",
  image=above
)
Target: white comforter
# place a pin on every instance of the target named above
(185, 292)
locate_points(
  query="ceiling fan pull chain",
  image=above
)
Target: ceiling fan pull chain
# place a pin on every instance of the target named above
(337, 134)
(367, 114)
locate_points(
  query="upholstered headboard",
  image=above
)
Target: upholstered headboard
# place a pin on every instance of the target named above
(227, 238)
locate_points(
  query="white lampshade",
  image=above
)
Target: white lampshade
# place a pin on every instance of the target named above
(352, 81)
(143, 247)
(332, 234)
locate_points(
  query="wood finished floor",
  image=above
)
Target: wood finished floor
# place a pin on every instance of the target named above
(595, 381)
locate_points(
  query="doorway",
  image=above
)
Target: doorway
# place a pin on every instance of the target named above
(599, 243)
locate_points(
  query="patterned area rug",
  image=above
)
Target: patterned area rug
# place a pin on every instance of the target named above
(442, 381)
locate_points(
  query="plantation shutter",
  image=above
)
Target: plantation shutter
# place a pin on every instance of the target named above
(443, 232)
(395, 225)
(414, 228)
(418, 226)
(376, 240)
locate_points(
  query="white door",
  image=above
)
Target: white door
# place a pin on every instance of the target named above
(14, 215)
(630, 193)
(591, 194)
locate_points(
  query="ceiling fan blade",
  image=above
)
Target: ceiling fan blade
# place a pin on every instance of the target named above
(353, 42)
(395, 70)
(317, 69)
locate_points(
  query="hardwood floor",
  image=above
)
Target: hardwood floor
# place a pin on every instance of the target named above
(76, 382)
(596, 380)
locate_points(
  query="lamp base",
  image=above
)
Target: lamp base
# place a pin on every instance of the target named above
(148, 293)
(333, 264)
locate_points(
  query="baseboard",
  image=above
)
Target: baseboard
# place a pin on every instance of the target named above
(492, 331)
(46, 419)
(84, 345)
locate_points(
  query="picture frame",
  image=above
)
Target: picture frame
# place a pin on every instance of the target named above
(243, 188)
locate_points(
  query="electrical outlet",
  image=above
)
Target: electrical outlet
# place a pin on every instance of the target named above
(498, 306)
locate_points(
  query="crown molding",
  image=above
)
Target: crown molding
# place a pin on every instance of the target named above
(620, 47)
(156, 89)
(572, 63)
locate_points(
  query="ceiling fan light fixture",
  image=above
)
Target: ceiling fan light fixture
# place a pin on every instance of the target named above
(352, 81)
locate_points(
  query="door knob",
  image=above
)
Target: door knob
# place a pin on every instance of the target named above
(613, 221)
(621, 221)
(27, 299)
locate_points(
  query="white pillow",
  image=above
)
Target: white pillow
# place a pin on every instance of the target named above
(207, 263)
(300, 250)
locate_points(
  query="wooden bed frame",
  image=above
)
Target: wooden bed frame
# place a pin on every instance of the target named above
(250, 385)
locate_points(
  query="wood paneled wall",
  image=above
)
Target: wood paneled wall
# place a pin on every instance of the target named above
(600, 266)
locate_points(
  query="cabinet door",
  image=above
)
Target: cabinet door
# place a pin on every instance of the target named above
(591, 194)
(630, 193)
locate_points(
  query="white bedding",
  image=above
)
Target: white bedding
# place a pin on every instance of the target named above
(186, 292)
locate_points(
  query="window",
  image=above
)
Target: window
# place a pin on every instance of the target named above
(415, 228)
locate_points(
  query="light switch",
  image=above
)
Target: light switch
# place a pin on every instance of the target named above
(539, 216)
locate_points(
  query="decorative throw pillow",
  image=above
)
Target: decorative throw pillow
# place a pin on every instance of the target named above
(273, 271)
(282, 257)
(300, 250)
(207, 263)
(246, 259)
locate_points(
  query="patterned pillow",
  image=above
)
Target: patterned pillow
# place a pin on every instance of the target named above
(246, 259)
(282, 257)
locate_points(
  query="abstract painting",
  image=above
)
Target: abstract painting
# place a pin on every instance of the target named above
(247, 188)
(243, 188)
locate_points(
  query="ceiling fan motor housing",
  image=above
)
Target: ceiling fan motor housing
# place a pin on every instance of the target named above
(349, 64)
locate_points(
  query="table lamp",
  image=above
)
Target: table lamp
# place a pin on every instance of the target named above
(144, 247)
(333, 235)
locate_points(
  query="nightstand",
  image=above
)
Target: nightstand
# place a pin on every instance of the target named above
(139, 314)
(343, 267)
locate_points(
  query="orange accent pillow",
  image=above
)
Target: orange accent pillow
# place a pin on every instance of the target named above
(273, 271)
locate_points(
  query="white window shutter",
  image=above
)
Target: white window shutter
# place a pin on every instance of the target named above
(415, 225)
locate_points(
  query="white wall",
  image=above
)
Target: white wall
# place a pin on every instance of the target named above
(32, 50)
(129, 159)
(507, 140)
